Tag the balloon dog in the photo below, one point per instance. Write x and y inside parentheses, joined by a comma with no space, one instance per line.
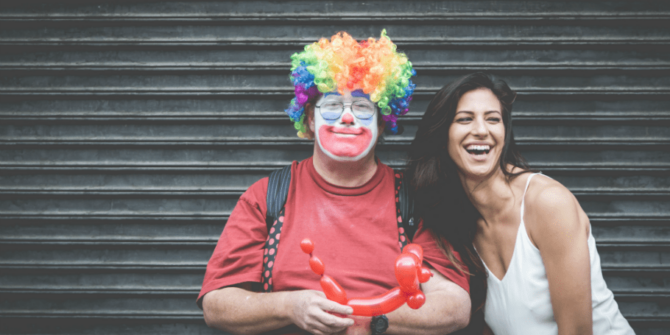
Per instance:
(408,271)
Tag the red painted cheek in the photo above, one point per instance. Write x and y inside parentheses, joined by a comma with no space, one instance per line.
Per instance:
(341,146)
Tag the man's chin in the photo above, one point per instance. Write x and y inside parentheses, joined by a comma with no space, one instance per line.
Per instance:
(345,153)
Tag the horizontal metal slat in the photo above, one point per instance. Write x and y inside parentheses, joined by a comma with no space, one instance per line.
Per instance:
(195,117)
(128,192)
(618,244)
(194,266)
(286,92)
(589,168)
(80,267)
(125,315)
(283,67)
(233,192)
(637,319)
(627,143)
(102,242)
(402,43)
(595,218)
(637,294)
(151,216)
(129,209)
(100,291)
(334,17)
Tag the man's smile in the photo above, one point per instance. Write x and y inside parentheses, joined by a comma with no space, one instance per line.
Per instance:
(345,141)
(346,131)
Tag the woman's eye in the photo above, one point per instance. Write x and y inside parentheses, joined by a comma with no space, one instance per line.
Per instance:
(464,119)
(494,119)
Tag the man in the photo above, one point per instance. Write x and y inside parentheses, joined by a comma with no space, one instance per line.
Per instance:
(342,198)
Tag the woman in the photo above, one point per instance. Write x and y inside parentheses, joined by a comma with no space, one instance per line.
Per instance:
(539,258)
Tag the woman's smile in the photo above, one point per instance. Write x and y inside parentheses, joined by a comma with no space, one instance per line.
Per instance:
(478,151)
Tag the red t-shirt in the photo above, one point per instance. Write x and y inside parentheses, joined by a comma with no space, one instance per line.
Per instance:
(354,231)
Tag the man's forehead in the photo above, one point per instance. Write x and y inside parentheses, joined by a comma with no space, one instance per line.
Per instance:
(355,94)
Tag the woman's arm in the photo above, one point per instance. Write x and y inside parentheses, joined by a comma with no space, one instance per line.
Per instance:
(446,310)
(240,311)
(559,228)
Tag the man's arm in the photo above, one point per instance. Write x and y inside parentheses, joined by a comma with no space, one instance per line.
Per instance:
(447,309)
(238,310)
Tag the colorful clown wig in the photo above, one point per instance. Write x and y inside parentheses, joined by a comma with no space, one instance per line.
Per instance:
(342,63)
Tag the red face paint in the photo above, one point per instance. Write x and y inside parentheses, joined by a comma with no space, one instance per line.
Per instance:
(345,142)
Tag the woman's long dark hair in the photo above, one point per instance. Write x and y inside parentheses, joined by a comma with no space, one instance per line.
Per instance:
(440,199)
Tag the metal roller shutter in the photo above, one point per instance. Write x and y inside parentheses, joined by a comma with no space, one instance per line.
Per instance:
(129,128)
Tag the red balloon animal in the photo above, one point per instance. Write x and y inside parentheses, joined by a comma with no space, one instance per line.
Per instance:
(408,271)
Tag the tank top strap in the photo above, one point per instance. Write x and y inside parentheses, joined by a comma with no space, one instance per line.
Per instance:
(523,197)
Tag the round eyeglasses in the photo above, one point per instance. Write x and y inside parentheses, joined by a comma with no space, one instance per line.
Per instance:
(332,110)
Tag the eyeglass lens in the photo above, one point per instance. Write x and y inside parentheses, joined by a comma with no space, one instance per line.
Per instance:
(332,110)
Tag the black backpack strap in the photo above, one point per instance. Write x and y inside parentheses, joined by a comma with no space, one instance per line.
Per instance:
(405,205)
(278,185)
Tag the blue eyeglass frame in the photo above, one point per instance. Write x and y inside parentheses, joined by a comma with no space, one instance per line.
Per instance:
(352,112)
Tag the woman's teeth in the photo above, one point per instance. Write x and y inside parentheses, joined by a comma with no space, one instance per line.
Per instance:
(478,149)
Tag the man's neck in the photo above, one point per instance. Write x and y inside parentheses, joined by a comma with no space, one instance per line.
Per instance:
(344,173)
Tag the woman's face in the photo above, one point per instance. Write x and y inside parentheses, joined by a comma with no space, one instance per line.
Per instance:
(477,134)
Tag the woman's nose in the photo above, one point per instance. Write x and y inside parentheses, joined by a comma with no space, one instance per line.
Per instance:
(479,128)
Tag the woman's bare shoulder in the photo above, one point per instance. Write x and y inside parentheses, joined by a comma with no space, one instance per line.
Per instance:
(551,210)
(545,193)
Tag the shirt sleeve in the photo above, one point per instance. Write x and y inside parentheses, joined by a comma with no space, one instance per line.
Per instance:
(238,256)
(435,257)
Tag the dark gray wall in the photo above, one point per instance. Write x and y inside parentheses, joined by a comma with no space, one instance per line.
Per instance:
(129,128)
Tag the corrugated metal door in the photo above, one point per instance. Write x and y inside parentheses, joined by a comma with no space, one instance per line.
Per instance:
(129,128)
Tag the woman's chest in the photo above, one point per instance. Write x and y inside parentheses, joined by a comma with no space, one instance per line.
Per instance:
(495,245)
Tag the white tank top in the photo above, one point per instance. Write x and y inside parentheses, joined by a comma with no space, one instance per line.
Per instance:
(520,302)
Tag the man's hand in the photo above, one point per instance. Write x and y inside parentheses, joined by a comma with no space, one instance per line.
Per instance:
(309,310)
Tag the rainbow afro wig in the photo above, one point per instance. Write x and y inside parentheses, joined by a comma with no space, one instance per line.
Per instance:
(342,63)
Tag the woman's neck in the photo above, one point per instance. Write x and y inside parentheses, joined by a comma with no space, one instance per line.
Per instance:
(492,195)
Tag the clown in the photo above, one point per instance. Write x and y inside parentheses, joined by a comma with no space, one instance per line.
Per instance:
(347,93)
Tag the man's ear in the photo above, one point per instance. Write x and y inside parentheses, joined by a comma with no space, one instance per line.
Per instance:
(381,124)
(309,119)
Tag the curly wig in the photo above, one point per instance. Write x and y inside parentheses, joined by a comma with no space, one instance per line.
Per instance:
(342,63)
